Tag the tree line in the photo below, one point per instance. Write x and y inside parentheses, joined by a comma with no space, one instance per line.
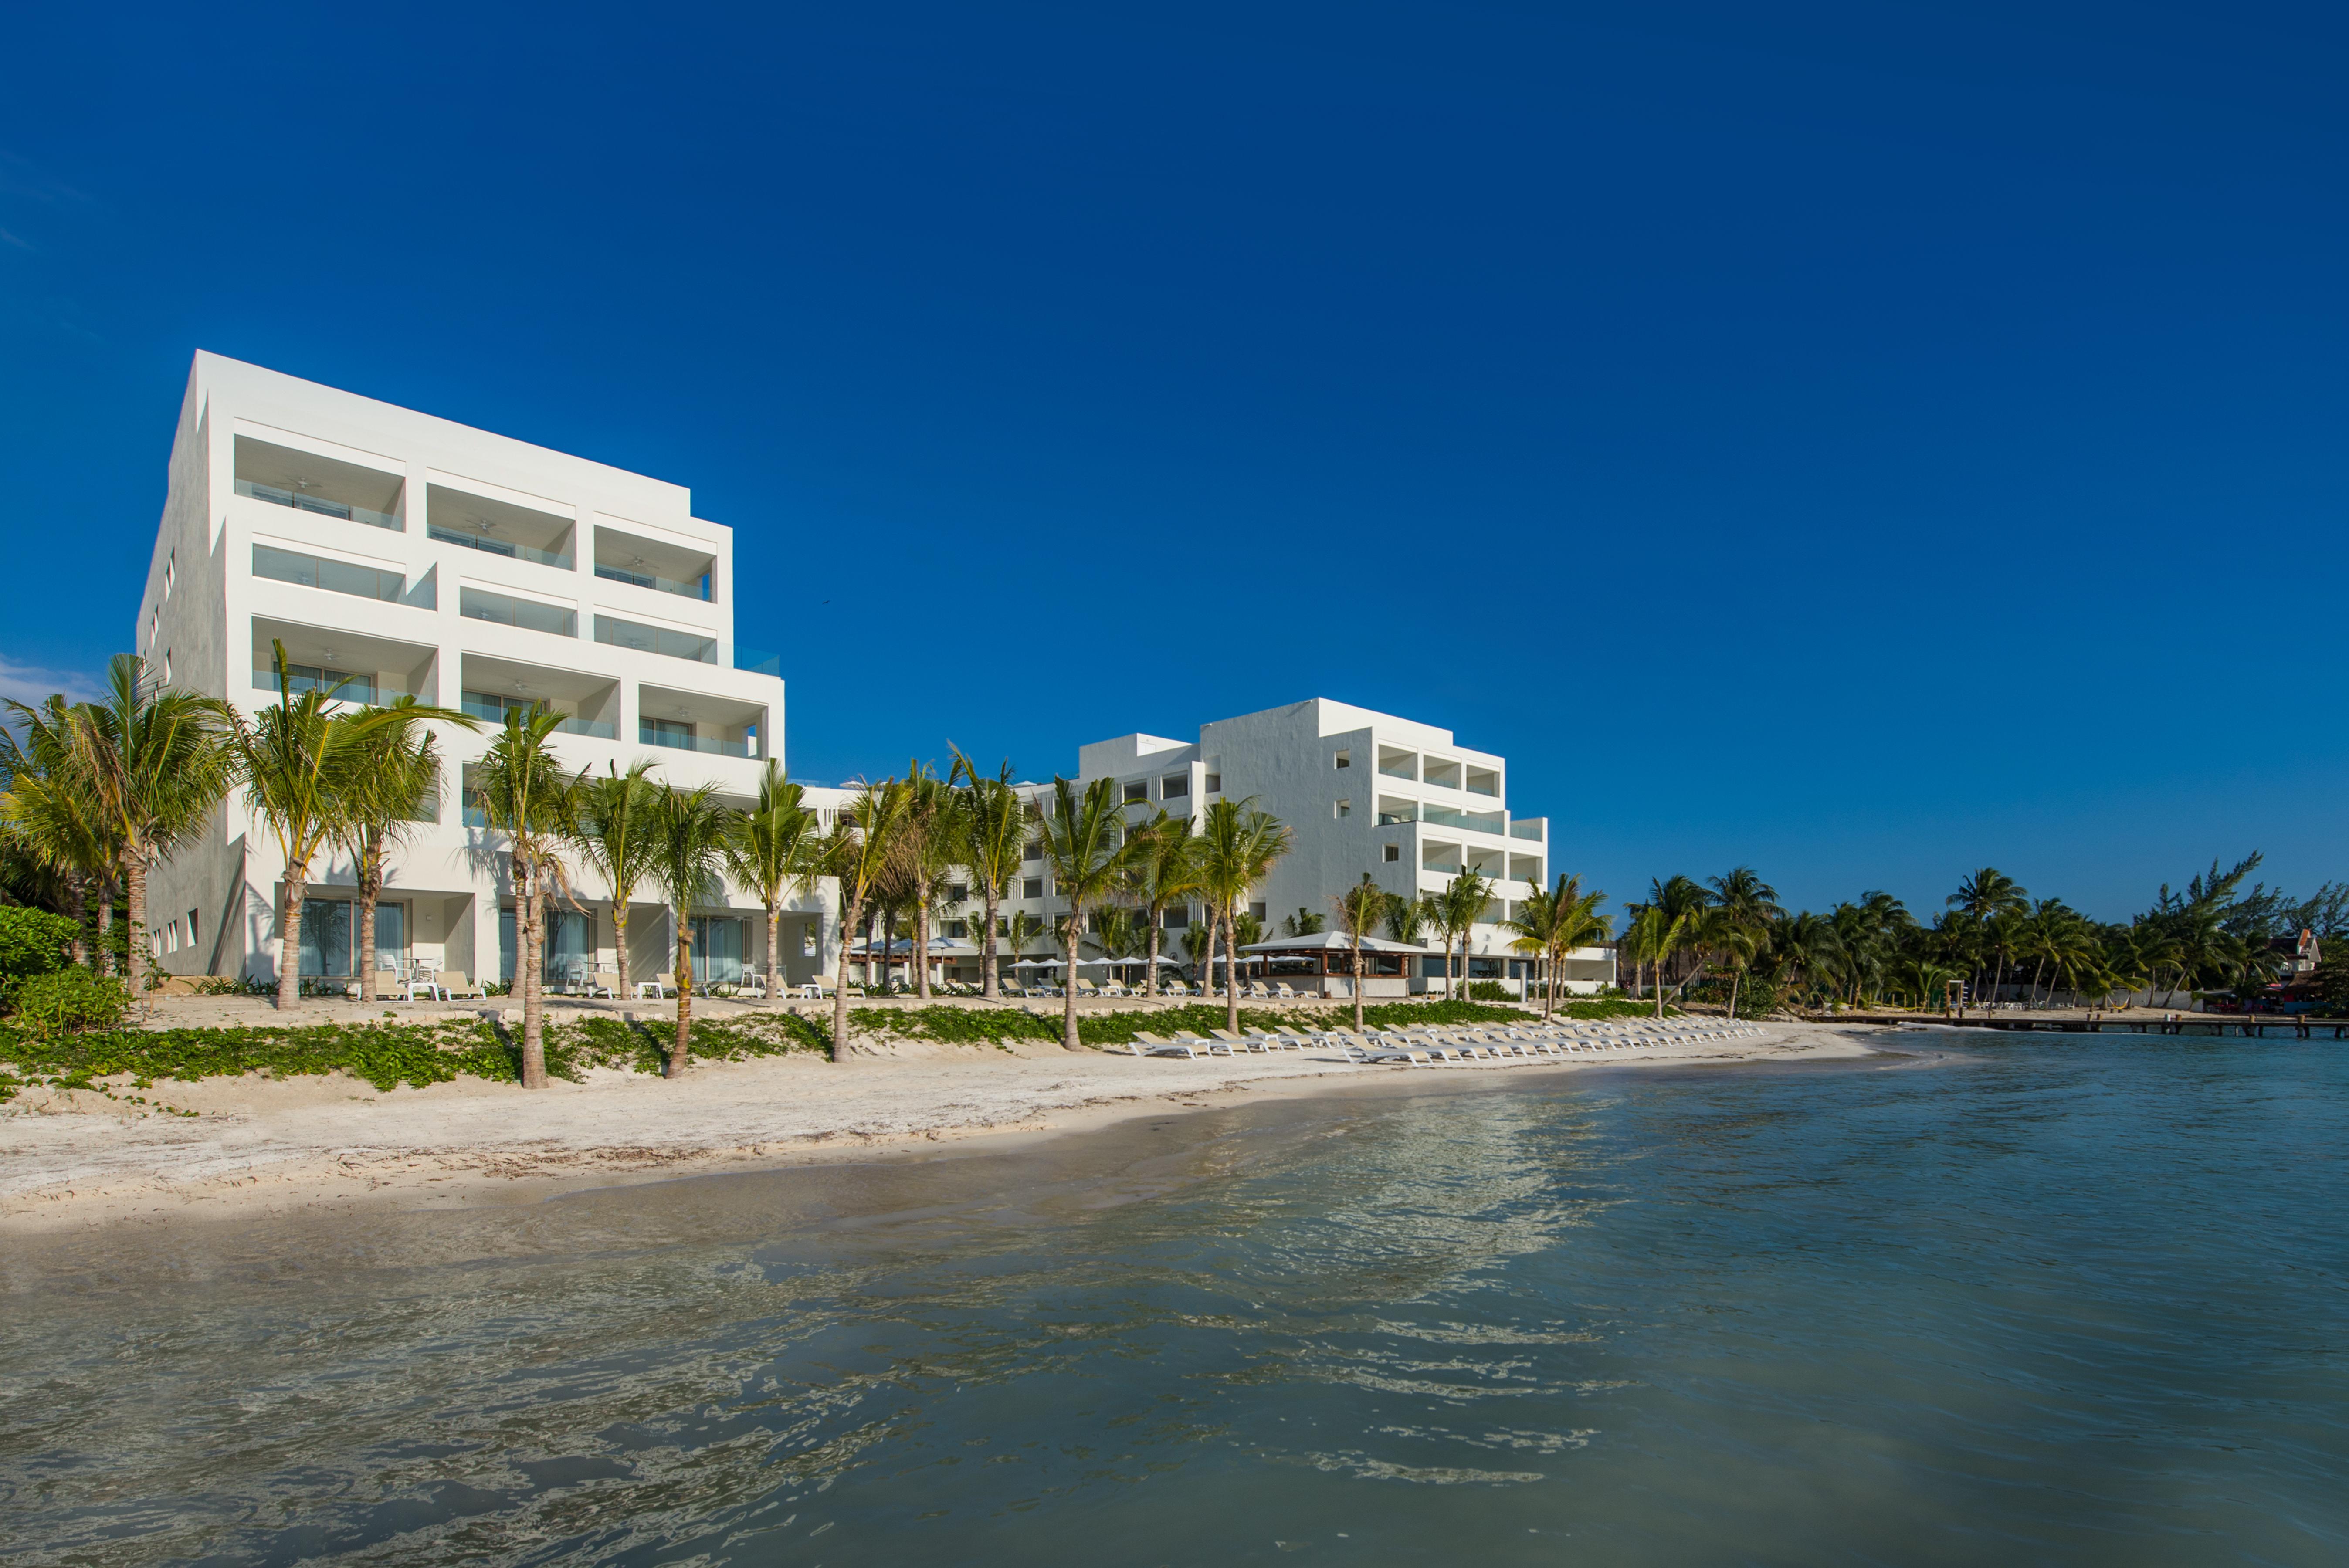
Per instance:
(2215,934)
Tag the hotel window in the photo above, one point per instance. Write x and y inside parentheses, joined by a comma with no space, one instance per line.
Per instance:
(956,892)
(1393,854)
(1214,783)
(1345,759)
(191,928)
(1176,918)
(1345,809)
(1035,851)
(1033,887)
(1139,789)
(1256,913)
(1174,786)
(957,930)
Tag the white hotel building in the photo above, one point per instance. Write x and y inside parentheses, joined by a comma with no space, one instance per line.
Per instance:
(391,551)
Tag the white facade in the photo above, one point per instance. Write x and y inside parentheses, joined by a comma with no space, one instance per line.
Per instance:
(390,552)
(1361,792)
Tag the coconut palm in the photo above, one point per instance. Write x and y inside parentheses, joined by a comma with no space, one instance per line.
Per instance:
(52,812)
(772,854)
(691,832)
(1408,917)
(1359,909)
(151,759)
(1239,843)
(1652,937)
(1460,906)
(1163,871)
(302,764)
(1086,851)
(401,779)
(528,799)
(858,854)
(1554,923)
(614,839)
(993,833)
(928,847)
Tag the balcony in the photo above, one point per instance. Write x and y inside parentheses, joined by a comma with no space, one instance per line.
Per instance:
(700,647)
(494,687)
(699,722)
(338,576)
(507,548)
(325,487)
(1484,781)
(1396,764)
(342,665)
(759,662)
(1471,821)
(489,525)
(1443,775)
(1534,828)
(480,604)
(1393,809)
(665,566)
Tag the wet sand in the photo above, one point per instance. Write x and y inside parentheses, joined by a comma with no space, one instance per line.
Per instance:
(78,1159)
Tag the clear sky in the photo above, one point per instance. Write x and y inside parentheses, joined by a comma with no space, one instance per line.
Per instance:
(1867,441)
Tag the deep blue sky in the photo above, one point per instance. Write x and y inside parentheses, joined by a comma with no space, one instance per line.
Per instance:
(1867,441)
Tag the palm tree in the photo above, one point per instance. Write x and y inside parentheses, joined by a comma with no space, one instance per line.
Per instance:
(994,838)
(525,795)
(301,765)
(1085,850)
(1553,924)
(615,840)
(1359,909)
(1983,897)
(1807,949)
(401,776)
(1239,843)
(51,811)
(1652,937)
(150,756)
(858,853)
(1407,916)
(1747,907)
(1460,905)
(772,853)
(1684,895)
(1163,871)
(691,832)
(930,847)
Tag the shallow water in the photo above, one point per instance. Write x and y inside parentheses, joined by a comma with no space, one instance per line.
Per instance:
(2034,1300)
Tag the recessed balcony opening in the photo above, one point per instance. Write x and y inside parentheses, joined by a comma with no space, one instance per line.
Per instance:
(653,563)
(1392,809)
(327,487)
(1398,764)
(696,721)
(1534,828)
(1453,817)
(1484,781)
(701,647)
(343,664)
(497,526)
(1489,863)
(589,704)
(1443,859)
(1526,868)
(1443,775)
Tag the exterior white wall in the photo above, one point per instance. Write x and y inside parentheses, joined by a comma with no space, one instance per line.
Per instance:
(203,602)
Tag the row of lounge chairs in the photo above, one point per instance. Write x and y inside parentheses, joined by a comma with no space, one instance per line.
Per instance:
(1425,1045)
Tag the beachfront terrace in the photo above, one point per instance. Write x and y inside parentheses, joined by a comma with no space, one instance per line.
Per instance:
(343,665)
(323,487)
(590,704)
(490,526)
(697,721)
(661,565)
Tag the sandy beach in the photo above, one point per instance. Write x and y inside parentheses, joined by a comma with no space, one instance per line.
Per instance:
(77,1158)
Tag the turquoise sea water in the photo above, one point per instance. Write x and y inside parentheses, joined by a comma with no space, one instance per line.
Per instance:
(2004,1299)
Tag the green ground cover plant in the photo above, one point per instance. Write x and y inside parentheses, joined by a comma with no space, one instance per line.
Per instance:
(977,1025)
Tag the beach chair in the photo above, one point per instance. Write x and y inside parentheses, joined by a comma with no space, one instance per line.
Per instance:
(1158,1045)
(454,984)
(656,988)
(1281,989)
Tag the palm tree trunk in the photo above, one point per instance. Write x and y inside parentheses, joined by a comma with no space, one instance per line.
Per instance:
(370,885)
(289,940)
(986,985)
(840,991)
(106,925)
(774,952)
(920,957)
(679,1053)
(134,879)
(1231,973)
(1150,978)
(1358,984)
(76,908)
(1736,979)
(528,938)
(620,940)
(1069,989)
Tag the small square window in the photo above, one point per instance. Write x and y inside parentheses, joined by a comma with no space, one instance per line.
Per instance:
(1174,786)
(1256,913)
(1035,851)
(1345,759)
(1345,809)
(1137,790)
(1214,783)
(956,892)
(1394,853)
(1032,888)
(956,929)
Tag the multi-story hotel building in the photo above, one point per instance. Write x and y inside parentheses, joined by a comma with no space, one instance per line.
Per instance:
(390,552)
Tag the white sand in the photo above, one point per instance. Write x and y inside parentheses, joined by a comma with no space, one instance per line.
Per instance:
(78,1159)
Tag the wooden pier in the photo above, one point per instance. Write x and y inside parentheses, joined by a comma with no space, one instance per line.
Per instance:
(2210,1026)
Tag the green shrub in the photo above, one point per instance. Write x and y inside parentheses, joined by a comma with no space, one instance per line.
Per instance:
(1488,991)
(231,985)
(33,942)
(71,998)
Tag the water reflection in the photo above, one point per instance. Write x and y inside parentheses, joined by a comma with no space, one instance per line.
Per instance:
(1860,1312)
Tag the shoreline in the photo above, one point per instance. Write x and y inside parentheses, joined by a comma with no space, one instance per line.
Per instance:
(78,1162)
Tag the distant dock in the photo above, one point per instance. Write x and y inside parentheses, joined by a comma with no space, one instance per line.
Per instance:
(2213,1026)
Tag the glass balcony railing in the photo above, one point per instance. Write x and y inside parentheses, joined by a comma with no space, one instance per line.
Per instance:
(339,685)
(475,605)
(334,576)
(758,661)
(491,708)
(698,588)
(489,546)
(647,735)
(619,634)
(1474,821)
(319,504)
(1529,827)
